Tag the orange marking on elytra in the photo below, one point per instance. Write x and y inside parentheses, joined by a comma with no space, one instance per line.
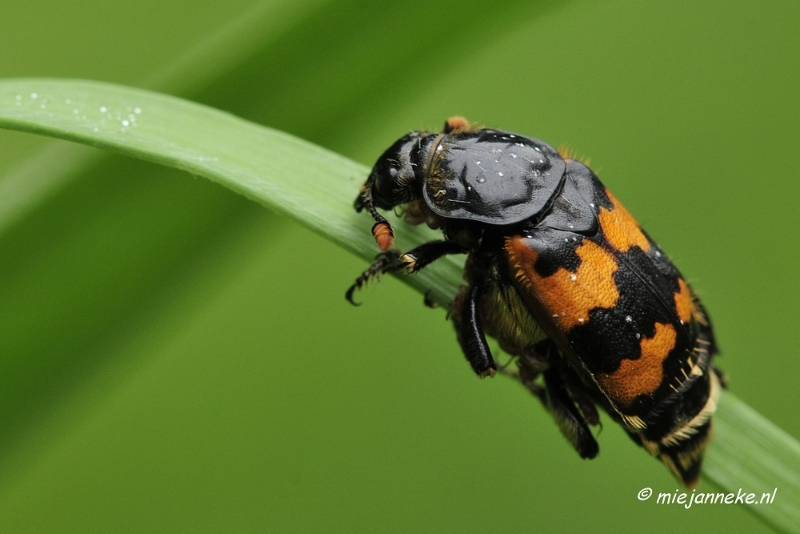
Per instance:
(620,228)
(641,376)
(568,297)
(684,304)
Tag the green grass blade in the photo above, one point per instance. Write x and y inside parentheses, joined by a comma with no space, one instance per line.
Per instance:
(317,187)
(310,184)
(188,136)
(751,453)
(41,176)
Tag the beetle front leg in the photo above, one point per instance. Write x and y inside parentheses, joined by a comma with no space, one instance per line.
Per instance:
(385,262)
(412,261)
(425,254)
(469,331)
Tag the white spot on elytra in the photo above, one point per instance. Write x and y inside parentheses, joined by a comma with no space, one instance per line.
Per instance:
(638,336)
(591,204)
(628,319)
(499,174)
(580,320)
(573,277)
(513,155)
(477,162)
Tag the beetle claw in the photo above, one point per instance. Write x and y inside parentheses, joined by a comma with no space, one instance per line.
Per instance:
(385,262)
(349,295)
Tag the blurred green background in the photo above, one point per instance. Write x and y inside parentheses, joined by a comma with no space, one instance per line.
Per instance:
(175,358)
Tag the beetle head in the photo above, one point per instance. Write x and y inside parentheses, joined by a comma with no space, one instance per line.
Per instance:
(393,179)
(396,178)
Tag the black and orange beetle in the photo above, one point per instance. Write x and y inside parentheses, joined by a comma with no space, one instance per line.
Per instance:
(563,277)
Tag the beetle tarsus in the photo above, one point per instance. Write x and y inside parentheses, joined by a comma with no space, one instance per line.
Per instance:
(385,262)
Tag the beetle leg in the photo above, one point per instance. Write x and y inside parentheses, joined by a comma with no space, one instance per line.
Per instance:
(428,301)
(384,262)
(530,368)
(469,331)
(425,254)
(412,261)
(567,416)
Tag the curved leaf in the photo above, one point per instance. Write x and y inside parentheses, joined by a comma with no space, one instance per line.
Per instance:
(310,184)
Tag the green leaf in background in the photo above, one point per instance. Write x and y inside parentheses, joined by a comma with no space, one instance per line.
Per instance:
(176,358)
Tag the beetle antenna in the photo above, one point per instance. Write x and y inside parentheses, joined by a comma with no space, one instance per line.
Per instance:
(382,231)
